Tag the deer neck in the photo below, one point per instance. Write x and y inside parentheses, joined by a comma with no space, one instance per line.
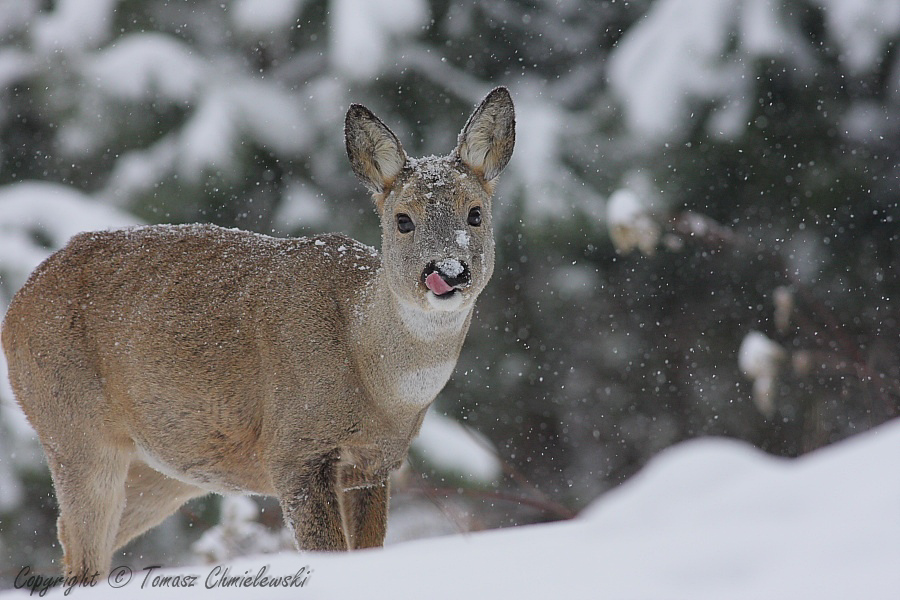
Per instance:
(406,354)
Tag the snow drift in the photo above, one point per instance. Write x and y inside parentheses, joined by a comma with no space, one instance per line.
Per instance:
(711,518)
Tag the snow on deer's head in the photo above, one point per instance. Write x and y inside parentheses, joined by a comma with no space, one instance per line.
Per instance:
(437,236)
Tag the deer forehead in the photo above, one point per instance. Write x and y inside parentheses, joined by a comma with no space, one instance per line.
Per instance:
(436,185)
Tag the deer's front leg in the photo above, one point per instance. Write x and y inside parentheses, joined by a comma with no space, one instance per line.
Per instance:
(365,514)
(309,501)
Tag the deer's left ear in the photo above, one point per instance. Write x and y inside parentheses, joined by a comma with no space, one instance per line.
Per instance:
(486,142)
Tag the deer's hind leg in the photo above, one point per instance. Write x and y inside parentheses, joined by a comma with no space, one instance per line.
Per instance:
(88,459)
(90,487)
(150,498)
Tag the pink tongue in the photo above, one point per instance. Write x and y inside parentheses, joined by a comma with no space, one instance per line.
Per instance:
(436,284)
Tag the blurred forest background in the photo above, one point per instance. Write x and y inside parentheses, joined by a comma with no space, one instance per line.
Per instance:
(697,235)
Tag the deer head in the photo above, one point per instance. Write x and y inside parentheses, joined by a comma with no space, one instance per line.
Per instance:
(437,236)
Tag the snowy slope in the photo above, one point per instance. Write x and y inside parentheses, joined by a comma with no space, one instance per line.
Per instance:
(708,519)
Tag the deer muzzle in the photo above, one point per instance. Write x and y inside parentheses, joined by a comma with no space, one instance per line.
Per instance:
(444,277)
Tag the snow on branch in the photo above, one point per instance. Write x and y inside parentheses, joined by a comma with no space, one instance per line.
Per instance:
(760,358)
(452,447)
(689,52)
(37,218)
(631,223)
(147,66)
(362,32)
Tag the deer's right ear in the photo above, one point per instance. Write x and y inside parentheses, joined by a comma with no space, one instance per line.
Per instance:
(375,152)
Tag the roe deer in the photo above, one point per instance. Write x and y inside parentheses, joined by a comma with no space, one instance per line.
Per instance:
(160,363)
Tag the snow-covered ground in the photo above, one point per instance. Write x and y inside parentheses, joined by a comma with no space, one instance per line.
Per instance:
(710,518)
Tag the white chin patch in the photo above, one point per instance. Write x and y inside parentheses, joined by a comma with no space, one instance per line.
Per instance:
(447,303)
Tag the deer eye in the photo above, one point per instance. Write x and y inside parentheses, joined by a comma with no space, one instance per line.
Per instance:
(404,223)
(474,216)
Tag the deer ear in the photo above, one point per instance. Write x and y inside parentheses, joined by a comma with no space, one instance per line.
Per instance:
(486,142)
(375,152)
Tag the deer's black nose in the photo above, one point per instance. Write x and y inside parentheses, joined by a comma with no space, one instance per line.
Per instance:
(455,272)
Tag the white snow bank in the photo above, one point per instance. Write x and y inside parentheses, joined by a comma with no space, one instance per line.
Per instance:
(709,519)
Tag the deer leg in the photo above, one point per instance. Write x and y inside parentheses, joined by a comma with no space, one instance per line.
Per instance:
(90,489)
(150,498)
(311,506)
(365,515)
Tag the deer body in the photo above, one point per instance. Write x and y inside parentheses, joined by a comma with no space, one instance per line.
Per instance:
(160,363)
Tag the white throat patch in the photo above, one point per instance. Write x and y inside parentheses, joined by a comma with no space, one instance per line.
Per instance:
(421,386)
(430,324)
